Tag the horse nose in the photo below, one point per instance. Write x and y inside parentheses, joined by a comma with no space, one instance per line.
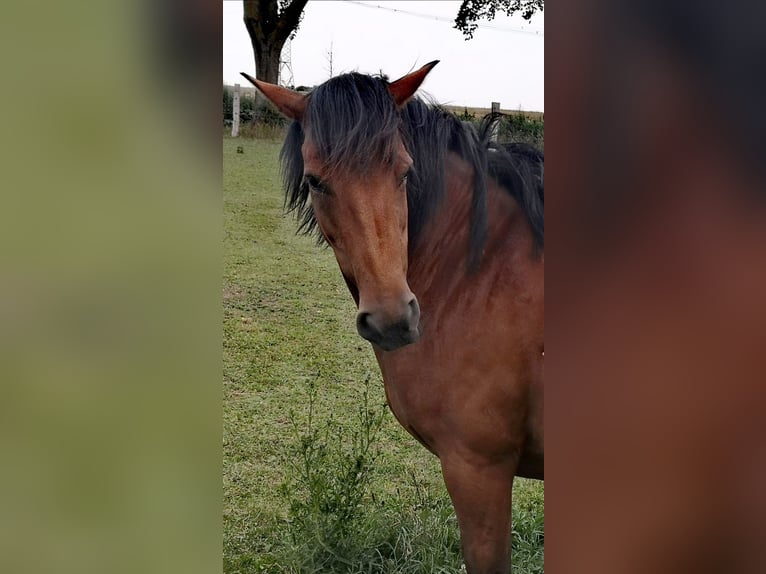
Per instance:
(390,331)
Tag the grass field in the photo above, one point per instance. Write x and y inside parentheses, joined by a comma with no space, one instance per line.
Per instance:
(317,474)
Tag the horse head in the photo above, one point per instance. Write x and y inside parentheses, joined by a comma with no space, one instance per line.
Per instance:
(349,170)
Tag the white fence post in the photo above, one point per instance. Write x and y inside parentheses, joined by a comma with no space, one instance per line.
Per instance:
(235,112)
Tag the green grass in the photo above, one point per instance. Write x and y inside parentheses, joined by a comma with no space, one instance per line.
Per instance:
(317,474)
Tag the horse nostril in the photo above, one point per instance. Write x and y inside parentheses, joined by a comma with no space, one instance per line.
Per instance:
(364,325)
(390,330)
(413,311)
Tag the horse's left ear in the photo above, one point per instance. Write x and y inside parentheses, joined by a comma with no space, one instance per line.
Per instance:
(404,88)
(290,103)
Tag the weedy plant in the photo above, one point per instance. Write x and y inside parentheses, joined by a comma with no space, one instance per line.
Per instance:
(329,472)
(328,478)
(336,521)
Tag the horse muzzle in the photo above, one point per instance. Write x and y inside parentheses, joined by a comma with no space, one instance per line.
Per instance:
(391,331)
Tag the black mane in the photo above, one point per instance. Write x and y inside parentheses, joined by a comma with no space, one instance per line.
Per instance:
(353,121)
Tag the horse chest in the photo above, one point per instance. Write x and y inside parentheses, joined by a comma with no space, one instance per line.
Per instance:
(413,397)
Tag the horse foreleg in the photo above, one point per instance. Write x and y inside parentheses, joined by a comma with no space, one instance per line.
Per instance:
(481,495)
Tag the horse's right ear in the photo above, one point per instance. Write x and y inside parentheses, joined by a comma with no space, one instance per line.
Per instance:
(290,103)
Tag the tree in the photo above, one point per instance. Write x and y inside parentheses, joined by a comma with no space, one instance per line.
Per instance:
(270,23)
(473,10)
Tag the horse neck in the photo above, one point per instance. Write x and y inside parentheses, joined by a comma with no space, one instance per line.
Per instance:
(440,257)
(438,263)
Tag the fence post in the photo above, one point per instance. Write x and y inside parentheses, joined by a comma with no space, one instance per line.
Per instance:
(235,112)
(495,110)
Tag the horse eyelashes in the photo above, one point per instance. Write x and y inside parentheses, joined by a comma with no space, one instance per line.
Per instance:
(315,184)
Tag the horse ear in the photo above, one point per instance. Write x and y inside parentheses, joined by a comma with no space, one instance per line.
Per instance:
(404,88)
(290,103)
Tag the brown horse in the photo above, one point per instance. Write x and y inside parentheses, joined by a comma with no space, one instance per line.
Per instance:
(438,233)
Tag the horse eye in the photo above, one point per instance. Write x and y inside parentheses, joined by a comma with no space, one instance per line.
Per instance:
(403,180)
(315,184)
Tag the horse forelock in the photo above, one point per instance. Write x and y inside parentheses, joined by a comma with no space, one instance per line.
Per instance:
(352,123)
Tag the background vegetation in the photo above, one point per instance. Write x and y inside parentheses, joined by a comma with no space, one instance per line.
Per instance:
(318,477)
(260,119)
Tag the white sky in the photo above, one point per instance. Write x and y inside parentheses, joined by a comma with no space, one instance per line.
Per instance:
(499,64)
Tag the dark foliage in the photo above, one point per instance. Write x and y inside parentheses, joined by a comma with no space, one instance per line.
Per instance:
(513,127)
(252,110)
(518,127)
(227,104)
(473,10)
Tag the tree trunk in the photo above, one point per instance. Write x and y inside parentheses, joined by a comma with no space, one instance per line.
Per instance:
(269,30)
(267,62)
